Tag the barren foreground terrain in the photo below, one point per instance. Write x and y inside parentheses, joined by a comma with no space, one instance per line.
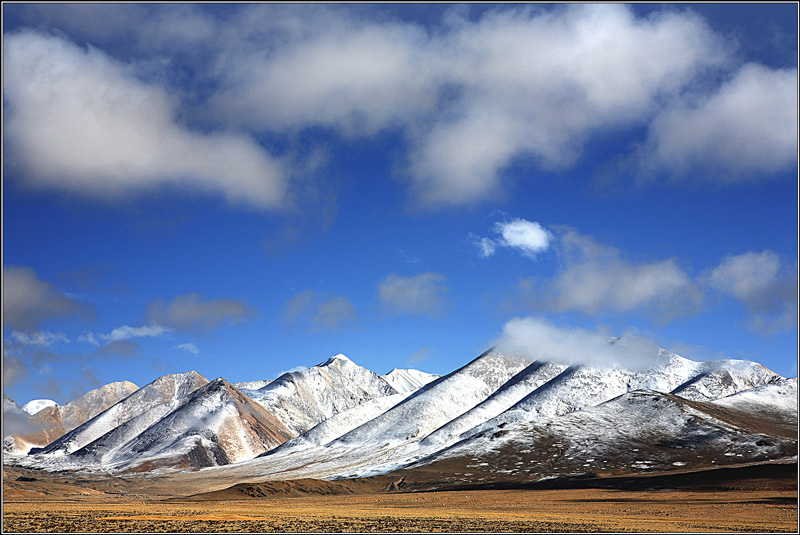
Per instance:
(751,499)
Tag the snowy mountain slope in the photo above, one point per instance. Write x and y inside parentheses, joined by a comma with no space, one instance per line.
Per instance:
(496,409)
(772,406)
(215,425)
(639,431)
(388,440)
(722,378)
(35,405)
(408,380)
(580,387)
(776,397)
(440,401)
(92,403)
(303,399)
(250,385)
(529,379)
(339,424)
(149,404)
(439,414)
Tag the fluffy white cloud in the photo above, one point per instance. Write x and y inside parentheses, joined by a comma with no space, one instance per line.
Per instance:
(79,121)
(420,294)
(541,339)
(596,279)
(29,301)
(528,237)
(192,312)
(746,131)
(535,84)
(763,283)
(472,97)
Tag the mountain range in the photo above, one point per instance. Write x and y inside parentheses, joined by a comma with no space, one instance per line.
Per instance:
(500,417)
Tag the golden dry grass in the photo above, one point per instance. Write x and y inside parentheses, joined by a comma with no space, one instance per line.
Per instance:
(571,510)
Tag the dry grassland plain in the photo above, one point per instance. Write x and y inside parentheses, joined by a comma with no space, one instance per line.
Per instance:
(738,506)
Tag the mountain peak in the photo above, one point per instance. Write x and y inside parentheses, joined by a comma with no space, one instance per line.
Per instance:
(336,359)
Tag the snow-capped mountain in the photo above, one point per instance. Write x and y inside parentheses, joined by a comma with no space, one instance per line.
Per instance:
(215,425)
(495,394)
(50,421)
(639,431)
(303,399)
(388,441)
(408,380)
(499,416)
(132,415)
(35,405)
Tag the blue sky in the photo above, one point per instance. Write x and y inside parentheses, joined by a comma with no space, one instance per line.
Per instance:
(245,189)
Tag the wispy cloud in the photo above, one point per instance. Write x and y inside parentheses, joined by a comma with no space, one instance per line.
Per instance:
(419,355)
(39,338)
(416,295)
(191,348)
(320,313)
(126,332)
(29,301)
(193,312)
(332,314)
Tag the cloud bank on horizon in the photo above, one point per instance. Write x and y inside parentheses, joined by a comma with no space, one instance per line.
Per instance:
(255,112)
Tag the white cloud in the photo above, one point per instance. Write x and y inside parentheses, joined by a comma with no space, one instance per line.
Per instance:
(191,348)
(420,294)
(192,312)
(763,284)
(39,338)
(539,339)
(80,121)
(746,131)
(527,237)
(126,332)
(29,301)
(473,97)
(536,84)
(595,279)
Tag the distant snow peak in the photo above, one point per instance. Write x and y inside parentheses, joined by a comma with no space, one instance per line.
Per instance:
(406,381)
(36,405)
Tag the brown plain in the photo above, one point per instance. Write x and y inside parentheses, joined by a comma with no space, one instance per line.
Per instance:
(749,499)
